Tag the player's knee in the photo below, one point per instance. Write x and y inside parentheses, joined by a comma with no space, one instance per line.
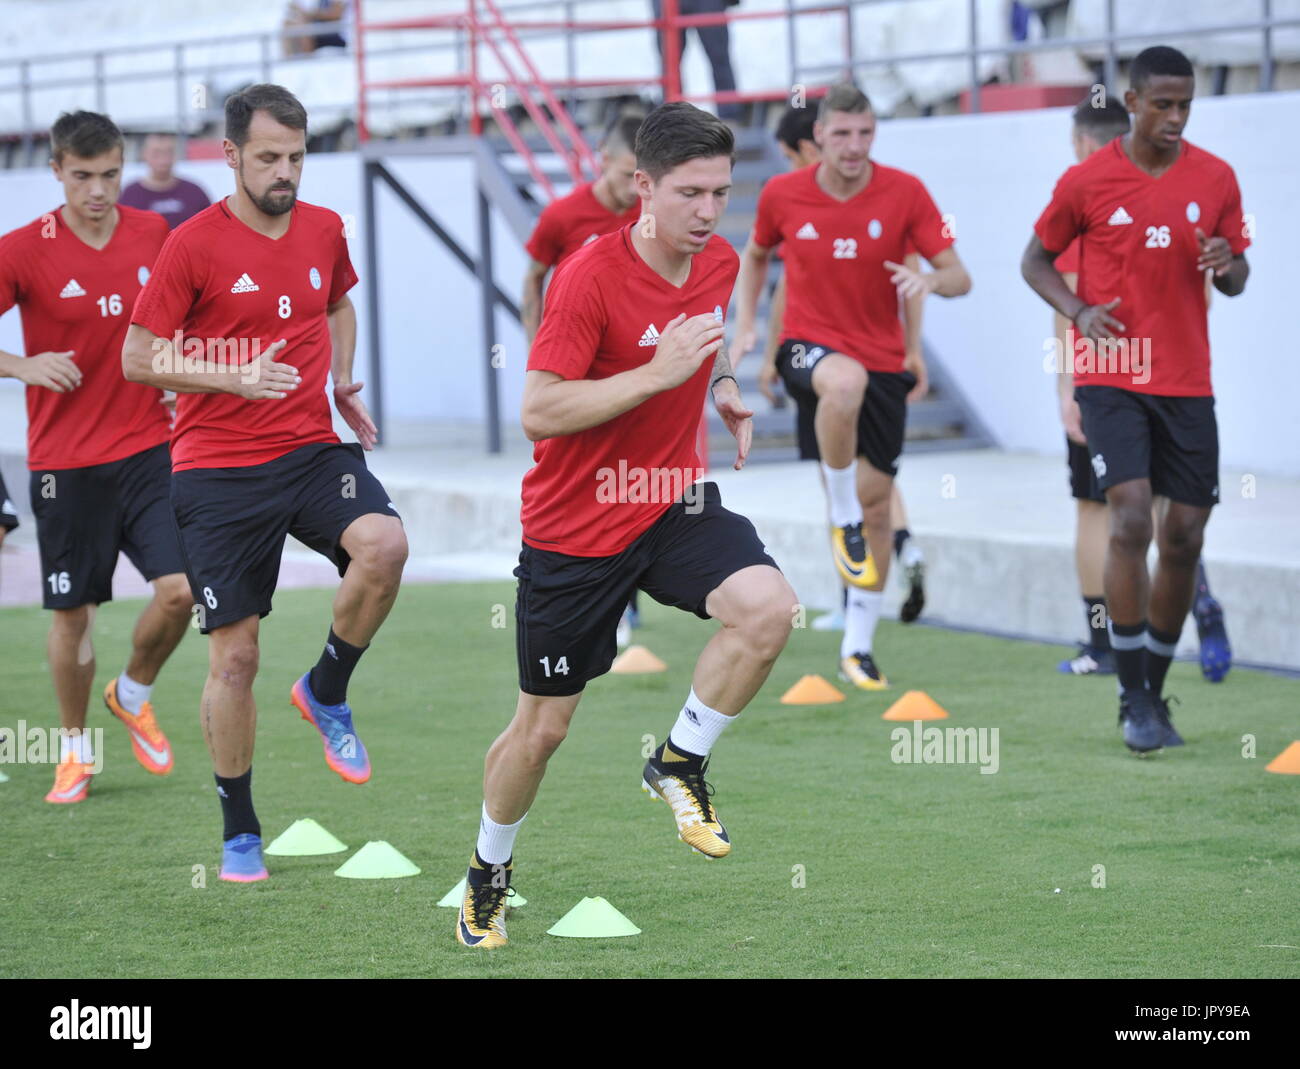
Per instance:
(382,553)
(71,623)
(543,737)
(173,595)
(1181,543)
(235,664)
(766,626)
(875,512)
(1130,528)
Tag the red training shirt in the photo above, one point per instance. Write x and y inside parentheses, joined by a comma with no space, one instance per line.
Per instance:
(218,280)
(838,290)
(1068,262)
(591,494)
(73,297)
(572,221)
(1137,242)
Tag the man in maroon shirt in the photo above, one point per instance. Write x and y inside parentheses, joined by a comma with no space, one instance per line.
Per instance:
(175,199)
(96,446)
(256,276)
(630,343)
(1152,213)
(589,211)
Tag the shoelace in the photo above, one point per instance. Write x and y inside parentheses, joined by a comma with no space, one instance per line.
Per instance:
(698,793)
(489,903)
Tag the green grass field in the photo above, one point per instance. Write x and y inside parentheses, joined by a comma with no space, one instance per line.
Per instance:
(910,870)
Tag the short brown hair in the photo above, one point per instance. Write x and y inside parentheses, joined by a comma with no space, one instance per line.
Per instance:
(843,97)
(85,134)
(677,132)
(275,100)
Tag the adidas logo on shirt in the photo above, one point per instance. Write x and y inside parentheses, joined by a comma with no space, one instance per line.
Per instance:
(244,284)
(808,232)
(72,289)
(650,337)
(1120,217)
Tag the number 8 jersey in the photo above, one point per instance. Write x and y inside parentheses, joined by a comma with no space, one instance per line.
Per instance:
(232,293)
(1137,242)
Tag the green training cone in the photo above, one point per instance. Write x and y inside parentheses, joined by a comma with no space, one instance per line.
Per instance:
(377,861)
(456,895)
(303,838)
(3,778)
(593,918)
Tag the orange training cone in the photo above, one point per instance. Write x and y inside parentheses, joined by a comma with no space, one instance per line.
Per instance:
(915,705)
(811,690)
(636,660)
(1287,761)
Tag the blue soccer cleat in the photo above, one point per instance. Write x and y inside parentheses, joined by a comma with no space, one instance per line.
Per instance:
(1216,652)
(344,751)
(241,859)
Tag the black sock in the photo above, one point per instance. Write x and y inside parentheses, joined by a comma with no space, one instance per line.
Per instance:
(329,679)
(481,871)
(1130,654)
(236,794)
(677,758)
(1158,660)
(900,539)
(1098,636)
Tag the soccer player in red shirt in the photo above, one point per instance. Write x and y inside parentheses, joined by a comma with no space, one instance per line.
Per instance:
(96,446)
(591,210)
(796,136)
(629,346)
(845,227)
(1152,213)
(256,276)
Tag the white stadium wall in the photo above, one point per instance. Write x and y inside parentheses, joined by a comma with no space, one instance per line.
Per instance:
(994,173)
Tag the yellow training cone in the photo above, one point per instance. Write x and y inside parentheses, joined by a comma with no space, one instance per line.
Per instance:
(915,705)
(811,690)
(636,660)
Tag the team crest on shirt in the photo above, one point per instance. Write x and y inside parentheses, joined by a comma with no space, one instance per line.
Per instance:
(1193,212)
(717,312)
(874,228)
(313,277)
(143,274)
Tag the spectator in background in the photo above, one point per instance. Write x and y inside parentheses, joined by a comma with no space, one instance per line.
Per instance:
(308,12)
(175,199)
(717,46)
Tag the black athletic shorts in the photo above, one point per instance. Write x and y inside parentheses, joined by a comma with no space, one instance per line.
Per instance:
(8,511)
(85,516)
(232,522)
(882,421)
(1172,441)
(567,608)
(1083,481)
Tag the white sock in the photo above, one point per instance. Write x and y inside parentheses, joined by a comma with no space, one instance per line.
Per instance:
(842,489)
(496,842)
(911,553)
(78,746)
(860,619)
(697,727)
(132,695)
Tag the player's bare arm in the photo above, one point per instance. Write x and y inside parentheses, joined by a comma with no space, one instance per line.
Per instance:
(1038,268)
(530,307)
(553,406)
(913,353)
(767,374)
(948,279)
(54,371)
(1071,419)
(152,360)
(342,319)
(735,414)
(749,284)
(1228,271)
